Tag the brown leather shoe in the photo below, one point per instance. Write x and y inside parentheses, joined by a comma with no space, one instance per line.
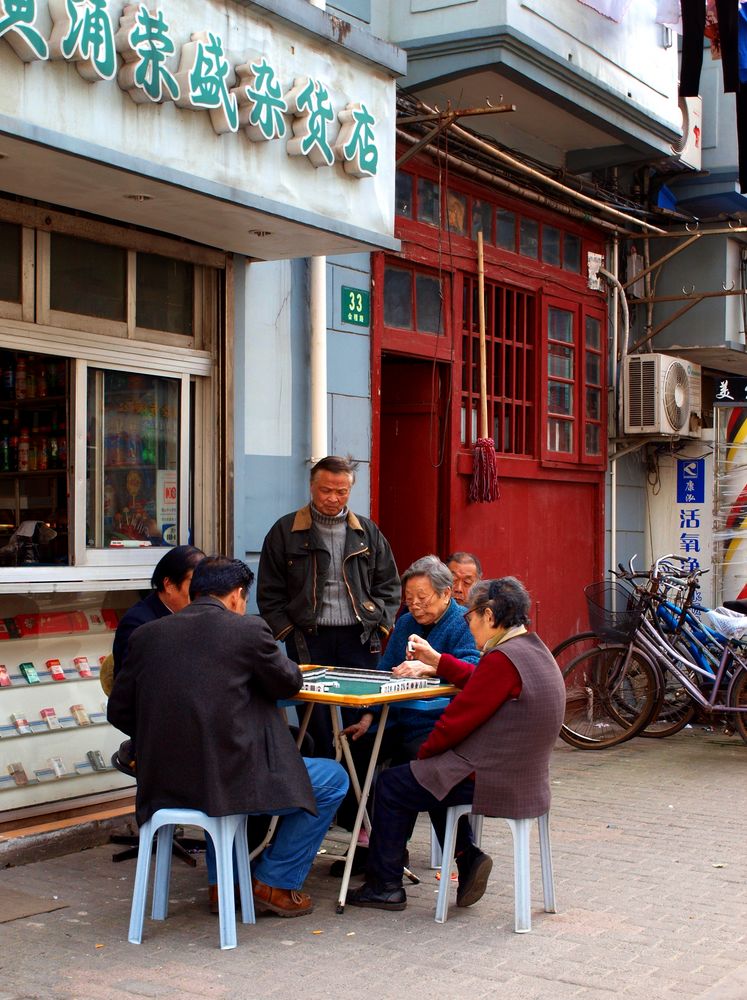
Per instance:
(282,902)
(213,898)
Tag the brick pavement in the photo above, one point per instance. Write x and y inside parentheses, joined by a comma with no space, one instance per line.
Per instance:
(650,851)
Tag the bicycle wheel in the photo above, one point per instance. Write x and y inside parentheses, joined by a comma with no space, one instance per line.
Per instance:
(610,696)
(738,699)
(570,648)
(677,708)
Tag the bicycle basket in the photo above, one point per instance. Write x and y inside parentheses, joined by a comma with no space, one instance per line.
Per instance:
(612,612)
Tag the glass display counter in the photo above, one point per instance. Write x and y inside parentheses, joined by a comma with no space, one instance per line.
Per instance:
(55,742)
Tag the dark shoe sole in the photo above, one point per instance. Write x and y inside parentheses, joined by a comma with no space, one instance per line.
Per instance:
(278,912)
(377,904)
(476,883)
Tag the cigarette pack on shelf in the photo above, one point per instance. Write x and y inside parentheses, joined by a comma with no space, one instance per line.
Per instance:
(18,773)
(58,766)
(83,666)
(80,715)
(55,669)
(5,680)
(50,717)
(29,672)
(21,723)
(97,760)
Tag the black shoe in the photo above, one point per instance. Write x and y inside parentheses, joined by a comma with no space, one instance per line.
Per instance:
(392,898)
(474,871)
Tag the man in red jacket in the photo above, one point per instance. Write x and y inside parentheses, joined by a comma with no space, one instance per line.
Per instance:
(490,747)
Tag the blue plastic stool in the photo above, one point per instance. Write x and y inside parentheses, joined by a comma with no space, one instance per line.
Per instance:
(520,829)
(228,834)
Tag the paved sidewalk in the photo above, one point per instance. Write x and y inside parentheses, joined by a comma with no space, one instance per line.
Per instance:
(650,851)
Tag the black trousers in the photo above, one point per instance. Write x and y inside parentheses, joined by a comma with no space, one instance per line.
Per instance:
(398,800)
(332,646)
(693,30)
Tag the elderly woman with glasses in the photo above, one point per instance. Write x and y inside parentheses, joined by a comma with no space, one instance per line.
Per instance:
(491,746)
(432,614)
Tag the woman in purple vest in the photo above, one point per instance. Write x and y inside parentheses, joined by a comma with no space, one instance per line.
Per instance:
(491,746)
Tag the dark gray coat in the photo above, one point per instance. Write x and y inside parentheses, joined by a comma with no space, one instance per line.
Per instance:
(510,753)
(198,692)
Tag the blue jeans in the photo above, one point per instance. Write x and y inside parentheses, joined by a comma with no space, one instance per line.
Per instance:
(286,862)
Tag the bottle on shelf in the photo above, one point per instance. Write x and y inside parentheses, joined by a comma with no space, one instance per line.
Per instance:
(21,378)
(23,450)
(5,447)
(8,385)
(31,377)
(42,384)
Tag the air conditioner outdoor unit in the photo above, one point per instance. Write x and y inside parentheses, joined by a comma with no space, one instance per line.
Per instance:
(662,395)
(689,149)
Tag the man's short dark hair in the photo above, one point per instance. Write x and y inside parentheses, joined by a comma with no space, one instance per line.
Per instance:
(175,565)
(218,576)
(465,557)
(335,464)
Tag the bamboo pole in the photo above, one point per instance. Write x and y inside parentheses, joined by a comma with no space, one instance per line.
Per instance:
(483,349)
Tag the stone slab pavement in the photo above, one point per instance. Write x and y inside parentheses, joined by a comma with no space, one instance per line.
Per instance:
(650,852)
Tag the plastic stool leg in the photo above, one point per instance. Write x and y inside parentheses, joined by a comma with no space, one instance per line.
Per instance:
(522,892)
(476,822)
(243,868)
(162,877)
(140,888)
(223,838)
(435,850)
(548,876)
(453,814)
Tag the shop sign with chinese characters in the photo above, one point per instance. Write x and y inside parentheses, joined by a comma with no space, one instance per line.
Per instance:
(261,85)
(730,390)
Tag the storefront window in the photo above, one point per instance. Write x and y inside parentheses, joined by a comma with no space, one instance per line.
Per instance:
(593,387)
(10,262)
(551,246)
(428,304)
(165,294)
(88,278)
(456,205)
(505,224)
(132,460)
(571,253)
(529,238)
(429,209)
(403,194)
(398,298)
(561,374)
(482,219)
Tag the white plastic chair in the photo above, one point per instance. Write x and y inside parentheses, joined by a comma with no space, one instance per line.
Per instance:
(228,834)
(520,829)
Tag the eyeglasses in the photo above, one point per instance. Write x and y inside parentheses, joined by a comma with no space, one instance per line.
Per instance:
(477,607)
(418,602)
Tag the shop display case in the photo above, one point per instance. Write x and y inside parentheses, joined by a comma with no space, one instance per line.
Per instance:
(55,742)
(33,458)
(132,467)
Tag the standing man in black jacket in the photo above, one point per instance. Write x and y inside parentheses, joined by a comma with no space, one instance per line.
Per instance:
(328,585)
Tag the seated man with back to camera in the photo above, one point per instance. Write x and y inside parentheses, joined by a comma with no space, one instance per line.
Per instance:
(433,614)
(199,691)
(491,747)
(466,571)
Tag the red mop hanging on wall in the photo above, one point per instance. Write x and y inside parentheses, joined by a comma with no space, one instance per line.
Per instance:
(484,486)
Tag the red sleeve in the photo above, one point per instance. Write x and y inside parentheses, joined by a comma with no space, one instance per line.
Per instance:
(494,681)
(456,672)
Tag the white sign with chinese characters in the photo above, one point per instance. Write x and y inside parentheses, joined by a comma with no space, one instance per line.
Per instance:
(680,512)
(209,89)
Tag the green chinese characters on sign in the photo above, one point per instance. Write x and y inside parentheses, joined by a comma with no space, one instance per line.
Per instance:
(356,306)
(261,102)
(205,77)
(17,19)
(83,32)
(144,43)
(356,143)
(313,114)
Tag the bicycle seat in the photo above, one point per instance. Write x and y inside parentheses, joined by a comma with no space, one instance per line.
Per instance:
(740,606)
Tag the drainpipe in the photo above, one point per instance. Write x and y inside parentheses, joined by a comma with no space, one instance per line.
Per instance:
(318,344)
(613,470)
